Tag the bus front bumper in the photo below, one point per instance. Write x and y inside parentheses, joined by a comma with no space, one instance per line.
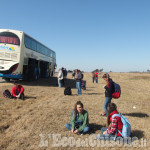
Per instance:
(11,76)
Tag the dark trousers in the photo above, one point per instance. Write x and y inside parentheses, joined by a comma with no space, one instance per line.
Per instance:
(63,82)
(21,95)
(93,79)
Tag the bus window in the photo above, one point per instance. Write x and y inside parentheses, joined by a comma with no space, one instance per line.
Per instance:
(9,38)
(34,45)
(28,42)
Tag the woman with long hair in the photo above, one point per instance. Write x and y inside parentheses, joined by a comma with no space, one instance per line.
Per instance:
(109,90)
(79,119)
(114,124)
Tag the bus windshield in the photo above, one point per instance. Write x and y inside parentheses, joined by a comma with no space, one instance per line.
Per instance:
(9,38)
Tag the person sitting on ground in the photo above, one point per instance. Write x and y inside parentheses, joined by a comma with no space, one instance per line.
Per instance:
(114,124)
(18,91)
(79,120)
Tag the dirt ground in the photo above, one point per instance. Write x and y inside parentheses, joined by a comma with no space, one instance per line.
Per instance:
(36,122)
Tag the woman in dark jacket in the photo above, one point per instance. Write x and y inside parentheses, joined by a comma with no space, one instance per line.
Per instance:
(109,90)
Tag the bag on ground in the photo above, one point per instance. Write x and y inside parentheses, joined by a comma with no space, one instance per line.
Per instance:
(83,84)
(7,94)
(67,91)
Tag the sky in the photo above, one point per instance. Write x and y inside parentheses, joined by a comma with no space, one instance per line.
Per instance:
(86,34)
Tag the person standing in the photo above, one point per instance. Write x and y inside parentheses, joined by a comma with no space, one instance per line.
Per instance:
(109,90)
(73,74)
(93,76)
(78,78)
(96,76)
(60,77)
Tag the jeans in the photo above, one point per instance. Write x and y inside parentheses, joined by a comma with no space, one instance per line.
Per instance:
(107,101)
(78,86)
(85,130)
(96,79)
(93,79)
(59,83)
(105,136)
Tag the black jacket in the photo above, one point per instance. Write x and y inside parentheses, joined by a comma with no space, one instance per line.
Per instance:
(109,89)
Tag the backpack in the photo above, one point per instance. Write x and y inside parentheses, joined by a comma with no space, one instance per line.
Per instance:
(126,129)
(7,94)
(67,91)
(117,91)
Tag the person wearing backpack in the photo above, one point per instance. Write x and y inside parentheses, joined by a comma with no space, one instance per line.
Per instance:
(114,124)
(18,91)
(79,120)
(109,90)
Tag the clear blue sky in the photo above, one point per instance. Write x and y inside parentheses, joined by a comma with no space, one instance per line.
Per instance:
(86,34)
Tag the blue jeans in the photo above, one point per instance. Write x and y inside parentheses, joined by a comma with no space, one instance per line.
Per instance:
(96,79)
(105,136)
(78,86)
(107,101)
(85,130)
(59,83)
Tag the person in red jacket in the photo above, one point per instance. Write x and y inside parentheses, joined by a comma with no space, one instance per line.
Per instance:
(113,124)
(96,76)
(18,91)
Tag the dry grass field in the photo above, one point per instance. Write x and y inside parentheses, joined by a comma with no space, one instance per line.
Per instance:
(46,111)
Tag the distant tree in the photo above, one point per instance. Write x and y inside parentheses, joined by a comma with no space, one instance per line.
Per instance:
(148,70)
(70,71)
(101,70)
(98,70)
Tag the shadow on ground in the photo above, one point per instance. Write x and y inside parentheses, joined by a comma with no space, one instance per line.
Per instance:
(140,115)
(93,93)
(94,127)
(52,82)
(137,133)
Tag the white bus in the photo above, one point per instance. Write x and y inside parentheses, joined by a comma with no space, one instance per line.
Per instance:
(22,57)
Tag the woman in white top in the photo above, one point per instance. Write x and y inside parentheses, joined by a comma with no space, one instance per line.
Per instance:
(60,77)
